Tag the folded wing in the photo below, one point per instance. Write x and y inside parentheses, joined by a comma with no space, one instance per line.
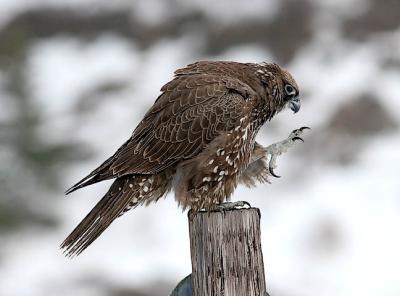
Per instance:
(192,110)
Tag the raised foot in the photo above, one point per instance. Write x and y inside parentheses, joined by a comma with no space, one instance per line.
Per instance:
(228,206)
(278,148)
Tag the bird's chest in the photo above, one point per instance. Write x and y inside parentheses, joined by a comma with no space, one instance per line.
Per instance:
(236,154)
(262,113)
(245,143)
(227,157)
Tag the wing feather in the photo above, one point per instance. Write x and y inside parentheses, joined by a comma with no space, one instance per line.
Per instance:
(192,111)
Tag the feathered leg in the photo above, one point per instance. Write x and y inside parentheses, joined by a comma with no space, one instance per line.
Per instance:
(257,170)
(263,159)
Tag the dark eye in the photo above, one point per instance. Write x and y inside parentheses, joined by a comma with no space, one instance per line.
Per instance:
(290,91)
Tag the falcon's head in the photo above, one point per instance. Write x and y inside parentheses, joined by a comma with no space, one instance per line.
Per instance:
(281,86)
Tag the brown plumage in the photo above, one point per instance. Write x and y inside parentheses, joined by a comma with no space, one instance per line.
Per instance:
(197,139)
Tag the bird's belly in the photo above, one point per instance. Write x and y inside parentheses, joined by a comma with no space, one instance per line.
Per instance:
(212,176)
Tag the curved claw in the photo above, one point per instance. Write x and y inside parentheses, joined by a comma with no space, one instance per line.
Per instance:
(304,128)
(271,171)
(297,138)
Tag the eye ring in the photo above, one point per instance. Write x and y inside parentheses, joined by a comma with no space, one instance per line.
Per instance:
(290,90)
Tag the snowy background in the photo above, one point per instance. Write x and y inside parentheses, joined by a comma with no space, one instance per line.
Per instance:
(77,76)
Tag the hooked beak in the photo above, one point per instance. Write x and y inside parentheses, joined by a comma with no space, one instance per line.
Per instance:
(295,104)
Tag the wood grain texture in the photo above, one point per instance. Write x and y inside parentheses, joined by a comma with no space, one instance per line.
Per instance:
(226,253)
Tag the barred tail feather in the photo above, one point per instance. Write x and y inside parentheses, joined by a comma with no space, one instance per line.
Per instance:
(121,197)
(125,193)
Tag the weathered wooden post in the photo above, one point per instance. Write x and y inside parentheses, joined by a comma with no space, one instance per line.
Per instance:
(226,253)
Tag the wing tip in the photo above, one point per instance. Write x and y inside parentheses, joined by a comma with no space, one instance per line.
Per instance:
(88,180)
